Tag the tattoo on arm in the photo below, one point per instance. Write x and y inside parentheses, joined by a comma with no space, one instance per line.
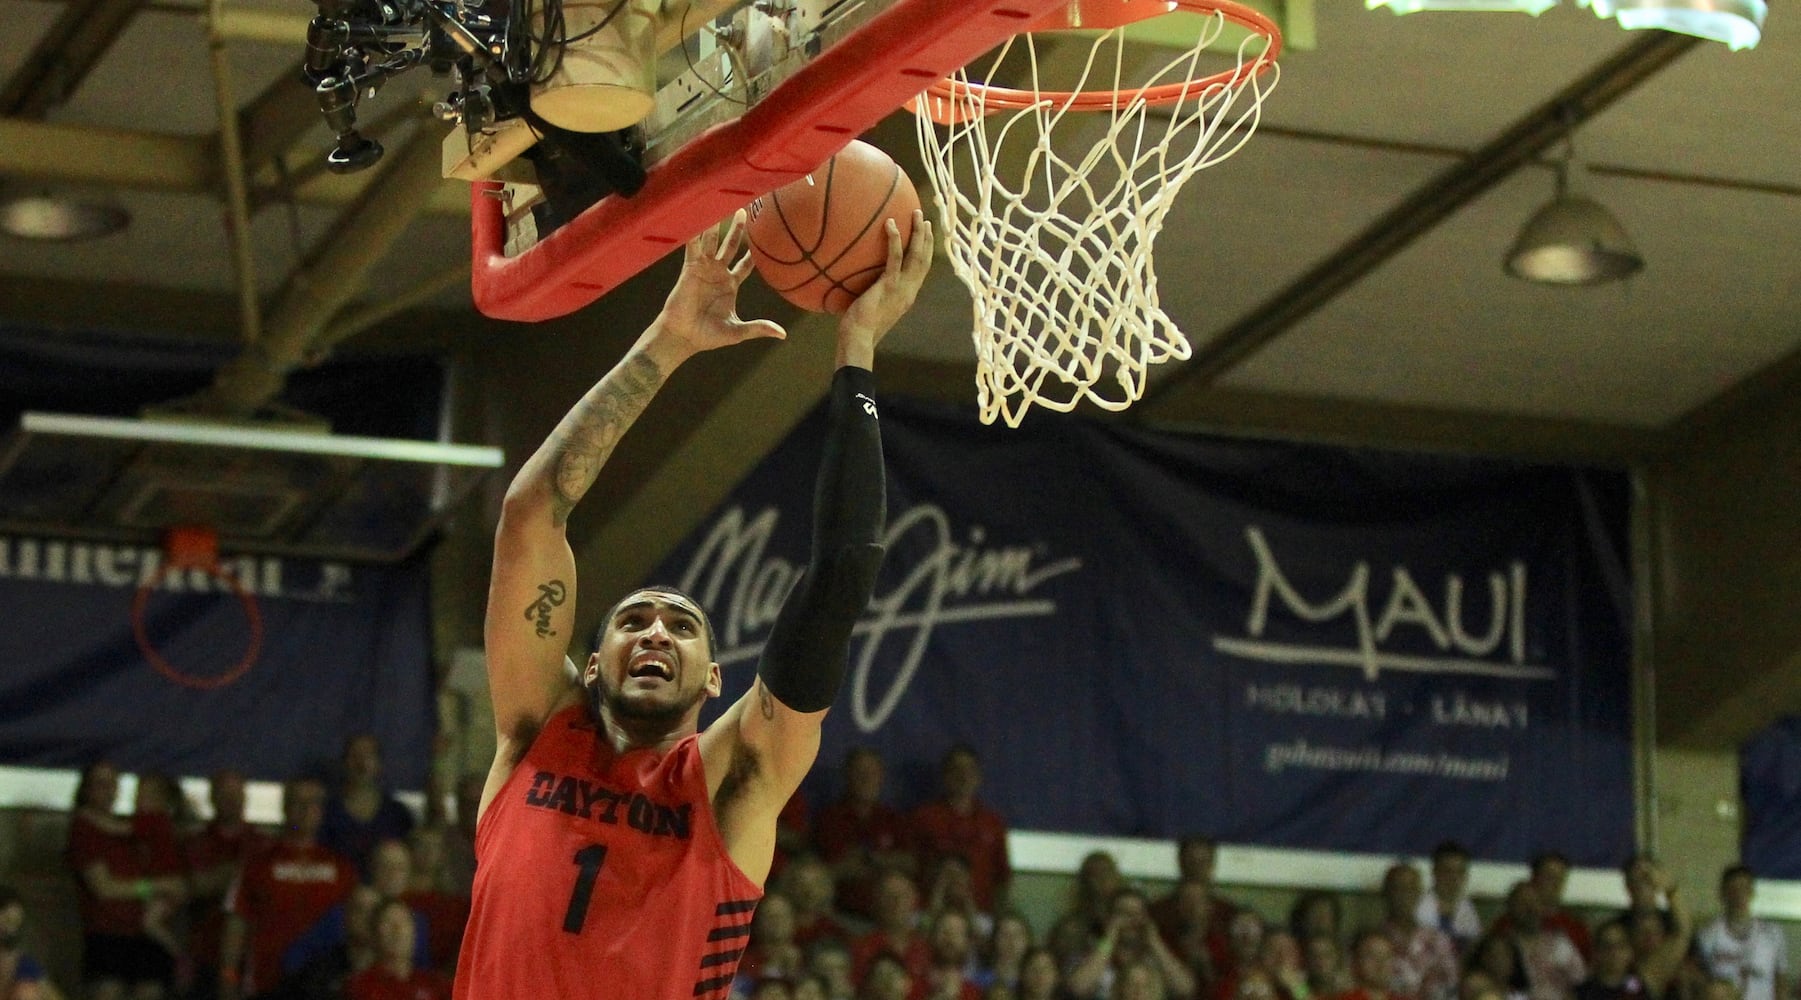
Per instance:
(551,595)
(765,703)
(587,436)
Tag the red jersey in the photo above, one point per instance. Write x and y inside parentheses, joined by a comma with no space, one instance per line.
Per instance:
(377,983)
(212,847)
(147,850)
(603,875)
(839,830)
(980,837)
(281,893)
(445,916)
(916,956)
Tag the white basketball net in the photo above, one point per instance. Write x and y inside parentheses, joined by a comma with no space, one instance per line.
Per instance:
(1054,241)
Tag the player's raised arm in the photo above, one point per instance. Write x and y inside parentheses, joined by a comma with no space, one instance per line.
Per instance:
(531,593)
(771,736)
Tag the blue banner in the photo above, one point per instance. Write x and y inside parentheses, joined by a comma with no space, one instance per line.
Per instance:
(1770,786)
(343,649)
(1150,634)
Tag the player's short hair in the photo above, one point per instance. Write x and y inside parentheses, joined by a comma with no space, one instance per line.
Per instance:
(1544,858)
(1735,870)
(1197,840)
(1450,849)
(706,624)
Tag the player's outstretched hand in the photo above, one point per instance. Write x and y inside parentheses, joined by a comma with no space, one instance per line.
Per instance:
(701,312)
(876,311)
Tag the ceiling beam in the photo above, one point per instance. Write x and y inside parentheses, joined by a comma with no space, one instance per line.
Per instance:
(329,280)
(171,164)
(81,154)
(1397,228)
(62,304)
(64,56)
(274,121)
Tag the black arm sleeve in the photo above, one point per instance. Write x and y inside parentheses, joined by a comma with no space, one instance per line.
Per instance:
(803,661)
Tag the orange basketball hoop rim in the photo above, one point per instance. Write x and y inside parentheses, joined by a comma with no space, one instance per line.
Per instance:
(952,101)
(185,548)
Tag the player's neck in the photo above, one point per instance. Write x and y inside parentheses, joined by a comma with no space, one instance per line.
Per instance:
(626,735)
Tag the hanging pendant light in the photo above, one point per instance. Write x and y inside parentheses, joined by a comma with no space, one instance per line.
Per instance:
(1572,240)
(1533,7)
(1736,23)
(59,216)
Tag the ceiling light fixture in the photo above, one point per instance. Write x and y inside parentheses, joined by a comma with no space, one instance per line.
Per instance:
(1737,23)
(60,217)
(1533,7)
(1572,240)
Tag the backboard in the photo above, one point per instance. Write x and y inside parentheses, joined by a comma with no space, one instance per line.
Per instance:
(797,82)
(286,492)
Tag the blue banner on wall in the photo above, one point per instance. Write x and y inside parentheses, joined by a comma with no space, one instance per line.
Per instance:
(345,649)
(1151,634)
(1770,785)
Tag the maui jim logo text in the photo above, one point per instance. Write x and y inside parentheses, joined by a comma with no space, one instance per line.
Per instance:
(1407,606)
(952,582)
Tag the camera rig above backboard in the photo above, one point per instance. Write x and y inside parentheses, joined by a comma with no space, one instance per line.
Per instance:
(354,47)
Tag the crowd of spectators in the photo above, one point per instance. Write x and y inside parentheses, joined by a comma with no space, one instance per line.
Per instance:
(351,898)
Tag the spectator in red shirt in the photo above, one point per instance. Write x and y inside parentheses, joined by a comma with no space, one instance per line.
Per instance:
(1196,860)
(807,882)
(158,821)
(1098,880)
(860,836)
(214,855)
(1550,874)
(959,823)
(888,979)
(118,874)
(896,913)
(772,953)
(394,976)
(428,893)
(1129,940)
(951,888)
(280,894)
(951,942)
(1372,967)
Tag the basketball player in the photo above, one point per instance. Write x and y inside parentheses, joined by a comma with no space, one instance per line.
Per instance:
(621,852)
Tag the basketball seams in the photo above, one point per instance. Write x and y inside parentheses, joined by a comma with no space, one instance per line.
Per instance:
(808,255)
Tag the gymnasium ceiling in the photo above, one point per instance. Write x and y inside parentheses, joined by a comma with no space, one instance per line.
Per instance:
(1340,277)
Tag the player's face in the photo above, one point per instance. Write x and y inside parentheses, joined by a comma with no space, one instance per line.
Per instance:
(654,661)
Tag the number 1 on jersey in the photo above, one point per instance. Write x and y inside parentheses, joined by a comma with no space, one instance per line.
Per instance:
(589,859)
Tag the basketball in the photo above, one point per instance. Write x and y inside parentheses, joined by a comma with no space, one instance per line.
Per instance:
(820,241)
